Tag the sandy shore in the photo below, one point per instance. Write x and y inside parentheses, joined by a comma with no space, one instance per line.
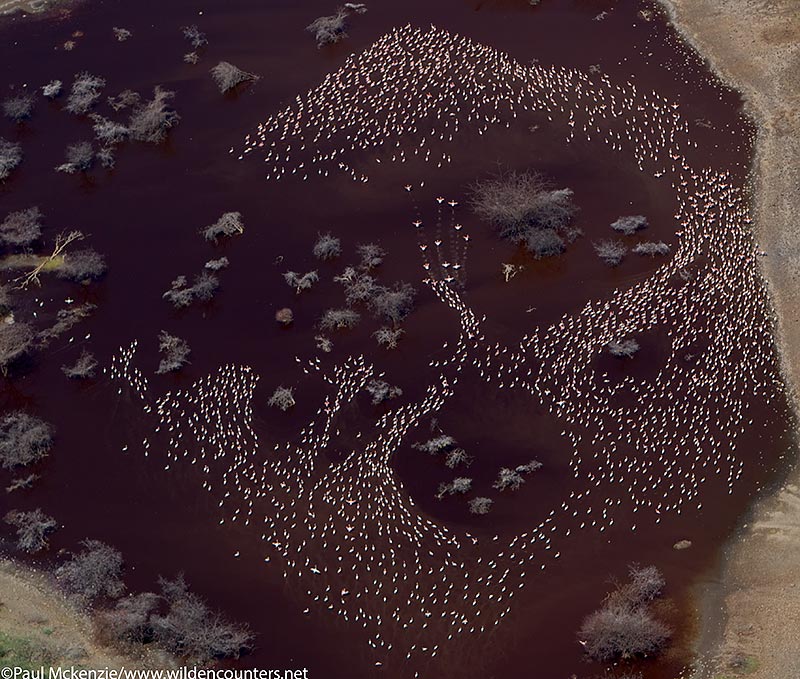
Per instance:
(750,613)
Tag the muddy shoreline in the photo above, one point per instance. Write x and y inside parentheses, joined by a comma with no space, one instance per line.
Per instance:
(756,50)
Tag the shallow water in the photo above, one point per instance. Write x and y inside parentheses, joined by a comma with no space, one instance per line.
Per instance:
(707,365)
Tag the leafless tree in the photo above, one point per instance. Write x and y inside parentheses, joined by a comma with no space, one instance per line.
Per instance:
(63,241)
(18,109)
(83,368)
(371,255)
(32,529)
(108,132)
(94,572)
(339,319)
(230,224)
(174,353)
(21,229)
(651,248)
(327,247)
(458,485)
(612,252)
(392,304)
(85,92)
(282,398)
(151,121)
(457,456)
(80,157)
(52,89)
(129,621)
(16,342)
(195,37)
(508,478)
(227,76)
(24,439)
(388,337)
(301,282)
(480,505)
(10,158)
(435,445)
(82,266)
(626,348)
(629,225)
(191,630)
(524,208)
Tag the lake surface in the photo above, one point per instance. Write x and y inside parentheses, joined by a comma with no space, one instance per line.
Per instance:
(319,526)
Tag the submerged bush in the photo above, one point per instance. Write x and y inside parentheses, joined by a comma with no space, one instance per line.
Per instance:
(623,348)
(331,29)
(229,224)
(282,398)
(83,368)
(18,108)
(23,439)
(327,247)
(651,248)
(94,572)
(151,121)
(82,266)
(16,342)
(10,158)
(300,283)
(32,529)
(629,225)
(85,92)
(79,158)
(227,76)
(175,353)
(612,252)
(339,319)
(22,228)
(480,505)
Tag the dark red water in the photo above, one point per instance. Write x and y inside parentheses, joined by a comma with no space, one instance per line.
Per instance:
(145,215)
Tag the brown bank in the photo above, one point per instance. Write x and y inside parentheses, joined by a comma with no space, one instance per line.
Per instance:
(750,622)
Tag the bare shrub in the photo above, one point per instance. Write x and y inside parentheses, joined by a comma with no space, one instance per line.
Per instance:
(623,348)
(80,157)
(612,252)
(524,208)
(339,319)
(129,621)
(629,225)
(18,109)
(623,627)
(331,29)
(381,391)
(16,342)
(529,467)
(121,34)
(457,456)
(190,629)
(392,304)
(32,529)
(217,264)
(108,132)
(360,288)
(66,319)
(651,248)
(388,337)
(191,58)
(181,295)
(229,224)
(195,37)
(284,316)
(227,76)
(52,89)
(82,266)
(21,483)
(205,286)
(435,445)
(85,92)
(10,158)
(83,368)
(123,100)
(508,478)
(458,485)
(620,632)
(371,255)
(282,398)
(300,283)
(106,157)
(94,572)
(323,343)
(480,505)
(175,353)
(22,228)
(23,439)
(151,121)
(327,247)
